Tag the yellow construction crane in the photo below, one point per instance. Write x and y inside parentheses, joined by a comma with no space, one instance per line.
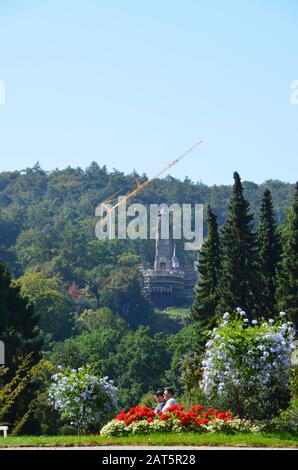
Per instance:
(139,185)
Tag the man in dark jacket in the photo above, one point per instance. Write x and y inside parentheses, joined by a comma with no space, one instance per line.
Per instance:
(159,400)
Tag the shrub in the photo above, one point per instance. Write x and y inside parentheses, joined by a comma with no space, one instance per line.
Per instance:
(288,419)
(83,398)
(246,365)
(142,420)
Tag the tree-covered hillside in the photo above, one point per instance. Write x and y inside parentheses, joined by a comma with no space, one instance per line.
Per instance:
(47,219)
(84,297)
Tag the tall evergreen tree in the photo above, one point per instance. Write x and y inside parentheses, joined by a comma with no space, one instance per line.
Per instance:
(238,278)
(206,295)
(268,254)
(287,290)
(18,324)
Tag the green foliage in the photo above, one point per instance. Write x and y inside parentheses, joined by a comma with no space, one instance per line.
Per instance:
(191,375)
(139,361)
(88,292)
(88,348)
(287,421)
(100,319)
(269,440)
(287,290)
(247,366)
(122,293)
(148,400)
(14,392)
(52,213)
(188,339)
(18,324)
(53,308)
(206,290)
(238,284)
(138,364)
(83,398)
(268,255)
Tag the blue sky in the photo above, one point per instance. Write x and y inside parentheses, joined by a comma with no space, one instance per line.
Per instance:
(132,84)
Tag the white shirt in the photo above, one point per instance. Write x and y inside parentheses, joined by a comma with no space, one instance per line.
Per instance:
(170,402)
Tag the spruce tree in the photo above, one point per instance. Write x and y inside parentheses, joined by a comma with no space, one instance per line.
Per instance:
(268,255)
(238,278)
(287,289)
(206,298)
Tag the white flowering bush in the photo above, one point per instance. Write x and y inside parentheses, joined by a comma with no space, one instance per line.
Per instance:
(115,428)
(82,398)
(232,427)
(246,365)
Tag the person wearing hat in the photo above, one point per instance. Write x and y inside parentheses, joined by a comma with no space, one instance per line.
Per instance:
(159,400)
(169,398)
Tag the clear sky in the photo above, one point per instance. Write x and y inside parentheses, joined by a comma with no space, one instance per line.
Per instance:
(133,83)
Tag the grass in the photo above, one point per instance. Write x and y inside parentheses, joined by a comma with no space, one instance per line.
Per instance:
(185,439)
(177,313)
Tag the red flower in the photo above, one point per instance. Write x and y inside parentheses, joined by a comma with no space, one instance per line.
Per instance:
(164,417)
(191,418)
(184,421)
(197,408)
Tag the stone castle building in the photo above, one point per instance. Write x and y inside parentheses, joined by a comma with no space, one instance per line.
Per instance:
(168,283)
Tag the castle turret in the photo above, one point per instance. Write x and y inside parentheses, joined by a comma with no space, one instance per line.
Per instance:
(163,250)
(175,261)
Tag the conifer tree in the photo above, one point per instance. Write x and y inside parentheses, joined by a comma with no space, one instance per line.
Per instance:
(268,255)
(287,289)
(238,285)
(206,296)
(18,324)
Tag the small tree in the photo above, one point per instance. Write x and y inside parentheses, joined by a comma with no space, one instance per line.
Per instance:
(14,390)
(191,373)
(84,399)
(247,365)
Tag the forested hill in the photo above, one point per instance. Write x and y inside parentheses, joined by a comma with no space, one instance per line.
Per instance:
(47,218)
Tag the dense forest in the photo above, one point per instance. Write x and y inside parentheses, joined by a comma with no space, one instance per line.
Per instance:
(47,218)
(87,304)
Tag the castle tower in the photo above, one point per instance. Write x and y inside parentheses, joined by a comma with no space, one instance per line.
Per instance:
(163,250)
(175,260)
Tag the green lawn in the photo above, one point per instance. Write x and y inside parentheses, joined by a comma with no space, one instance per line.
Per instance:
(179,314)
(187,439)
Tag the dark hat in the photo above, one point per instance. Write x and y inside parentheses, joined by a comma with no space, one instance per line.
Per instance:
(159,392)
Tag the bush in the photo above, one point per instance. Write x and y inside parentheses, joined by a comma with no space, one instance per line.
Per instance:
(288,419)
(142,420)
(246,366)
(148,400)
(83,398)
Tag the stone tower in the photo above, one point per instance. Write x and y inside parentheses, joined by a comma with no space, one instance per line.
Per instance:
(163,250)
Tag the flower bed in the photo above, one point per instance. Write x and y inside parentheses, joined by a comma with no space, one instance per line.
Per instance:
(142,420)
